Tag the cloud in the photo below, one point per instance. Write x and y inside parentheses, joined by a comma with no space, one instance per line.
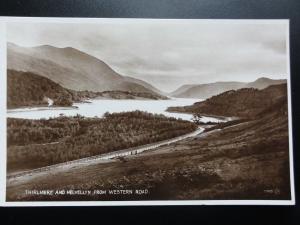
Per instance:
(177,51)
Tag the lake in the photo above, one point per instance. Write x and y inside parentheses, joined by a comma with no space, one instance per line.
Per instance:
(98,107)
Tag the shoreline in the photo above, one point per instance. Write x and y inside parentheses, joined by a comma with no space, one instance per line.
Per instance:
(77,106)
(226,118)
(86,101)
(80,105)
(40,108)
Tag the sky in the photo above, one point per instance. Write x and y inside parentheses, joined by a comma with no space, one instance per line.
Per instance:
(170,53)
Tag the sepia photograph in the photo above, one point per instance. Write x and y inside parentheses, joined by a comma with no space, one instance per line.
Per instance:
(146,111)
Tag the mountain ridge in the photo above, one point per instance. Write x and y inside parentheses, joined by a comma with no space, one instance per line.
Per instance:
(204,91)
(71,68)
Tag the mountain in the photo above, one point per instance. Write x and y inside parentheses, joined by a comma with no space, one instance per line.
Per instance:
(245,102)
(71,68)
(182,89)
(145,84)
(30,89)
(204,91)
(264,82)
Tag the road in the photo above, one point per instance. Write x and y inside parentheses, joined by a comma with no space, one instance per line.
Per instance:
(103,158)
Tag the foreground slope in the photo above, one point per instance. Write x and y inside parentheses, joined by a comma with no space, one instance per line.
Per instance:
(245,161)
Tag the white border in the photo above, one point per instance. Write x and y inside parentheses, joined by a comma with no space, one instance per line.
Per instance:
(291,148)
(4,20)
(3,93)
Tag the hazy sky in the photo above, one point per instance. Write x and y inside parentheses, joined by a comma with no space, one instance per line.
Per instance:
(170,53)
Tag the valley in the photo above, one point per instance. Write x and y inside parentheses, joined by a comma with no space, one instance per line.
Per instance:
(74,123)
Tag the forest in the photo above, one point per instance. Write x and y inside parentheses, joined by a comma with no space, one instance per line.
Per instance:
(36,143)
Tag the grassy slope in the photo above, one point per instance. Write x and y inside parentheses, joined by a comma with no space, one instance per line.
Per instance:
(245,161)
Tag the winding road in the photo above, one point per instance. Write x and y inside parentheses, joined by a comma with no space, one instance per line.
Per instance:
(29,174)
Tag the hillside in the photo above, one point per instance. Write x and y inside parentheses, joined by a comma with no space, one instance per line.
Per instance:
(245,102)
(204,91)
(29,89)
(71,68)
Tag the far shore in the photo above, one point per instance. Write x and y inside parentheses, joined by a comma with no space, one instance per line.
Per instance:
(87,100)
(40,108)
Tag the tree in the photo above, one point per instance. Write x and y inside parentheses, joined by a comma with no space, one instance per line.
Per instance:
(197,118)
(106,114)
(63,101)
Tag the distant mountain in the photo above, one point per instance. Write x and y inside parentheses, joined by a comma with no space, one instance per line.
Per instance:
(182,89)
(30,89)
(245,102)
(145,84)
(264,82)
(204,91)
(72,69)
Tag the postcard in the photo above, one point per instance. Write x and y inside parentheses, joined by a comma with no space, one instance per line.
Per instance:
(145,112)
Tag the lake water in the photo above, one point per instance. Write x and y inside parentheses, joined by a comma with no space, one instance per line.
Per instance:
(98,107)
